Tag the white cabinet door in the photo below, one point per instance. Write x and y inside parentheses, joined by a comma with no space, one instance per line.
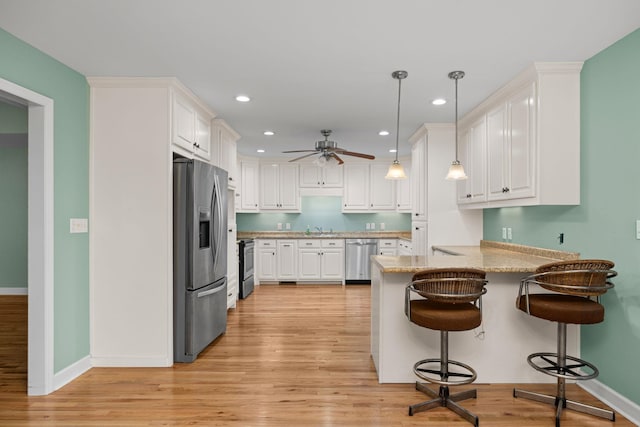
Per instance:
(382,193)
(332,177)
(232,266)
(288,187)
(472,155)
(310,176)
(184,123)
(269,186)
(419,180)
(387,246)
(266,263)
(419,238)
(403,191)
(356,187)
(332,261)
(202,146)
(249,186)
(287,255)
(309,263)
(497,152)
(521,136)
(228,154)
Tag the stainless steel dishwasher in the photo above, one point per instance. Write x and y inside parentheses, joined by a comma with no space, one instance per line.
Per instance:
(357,263)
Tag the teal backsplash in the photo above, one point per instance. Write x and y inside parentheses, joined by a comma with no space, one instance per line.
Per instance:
(325,212)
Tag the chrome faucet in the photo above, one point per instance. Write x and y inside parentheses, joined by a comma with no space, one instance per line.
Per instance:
(319,229)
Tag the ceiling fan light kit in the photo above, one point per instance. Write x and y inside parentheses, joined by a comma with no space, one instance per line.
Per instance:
(456,170)
(396,171)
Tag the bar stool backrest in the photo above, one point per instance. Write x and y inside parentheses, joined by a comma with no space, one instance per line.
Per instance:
(450,285)
(585,277)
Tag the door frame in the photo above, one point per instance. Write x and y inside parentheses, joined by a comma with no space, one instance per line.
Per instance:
(40,235)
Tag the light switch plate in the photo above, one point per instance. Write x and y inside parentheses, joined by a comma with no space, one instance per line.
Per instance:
(504,233)
(638,229)
(368,226)
(382,226)
(288,226)
(509,234)
(373,225)
(279,226)
(78,225)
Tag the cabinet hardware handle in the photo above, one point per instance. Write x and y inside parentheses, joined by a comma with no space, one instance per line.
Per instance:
(505,189)
(322,182)
(371,204)
(468,196)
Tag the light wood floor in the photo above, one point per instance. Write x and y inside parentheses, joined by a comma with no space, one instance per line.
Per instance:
(292,356)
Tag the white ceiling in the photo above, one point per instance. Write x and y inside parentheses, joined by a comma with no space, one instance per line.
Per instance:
(316,64)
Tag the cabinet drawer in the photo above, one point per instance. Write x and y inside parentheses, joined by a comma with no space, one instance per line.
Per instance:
(387,243)
(309,243)
(266,244)
(333,243)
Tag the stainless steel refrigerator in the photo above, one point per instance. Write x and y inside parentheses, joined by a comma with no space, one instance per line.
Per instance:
(199,256)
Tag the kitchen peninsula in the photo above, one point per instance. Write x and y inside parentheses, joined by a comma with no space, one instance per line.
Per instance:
(498,349)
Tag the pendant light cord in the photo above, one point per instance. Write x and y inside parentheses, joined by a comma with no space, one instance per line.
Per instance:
(398,118)
(456,120)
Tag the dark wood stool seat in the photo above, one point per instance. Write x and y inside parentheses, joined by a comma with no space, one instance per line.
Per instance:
(576,287)
(449,300)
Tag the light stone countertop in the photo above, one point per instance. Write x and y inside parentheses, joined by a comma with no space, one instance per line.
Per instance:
(495,257)
(326,235)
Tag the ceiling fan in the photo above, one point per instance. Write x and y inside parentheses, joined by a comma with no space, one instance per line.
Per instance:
(328,151)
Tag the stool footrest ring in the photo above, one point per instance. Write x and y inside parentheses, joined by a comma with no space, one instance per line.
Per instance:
(548,363)
(437,376)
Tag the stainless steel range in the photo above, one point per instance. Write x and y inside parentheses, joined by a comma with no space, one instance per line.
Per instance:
(245,276)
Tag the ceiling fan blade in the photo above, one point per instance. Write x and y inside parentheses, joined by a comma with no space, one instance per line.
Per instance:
(361,155)
(300,151)
(335,156)
(302,157)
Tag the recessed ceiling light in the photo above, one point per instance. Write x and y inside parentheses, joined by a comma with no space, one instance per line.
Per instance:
(260,150)
(269,132)
(243,98)
(383,133)
(392,150)
(439,101)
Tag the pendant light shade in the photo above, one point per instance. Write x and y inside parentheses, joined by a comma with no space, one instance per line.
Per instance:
(456,170)
(396,171)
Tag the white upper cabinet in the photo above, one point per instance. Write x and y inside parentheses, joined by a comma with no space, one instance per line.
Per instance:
(366,189)
(191,129)
(249,186)
(312,176)
(279,187)
(225,149)
(419,179)
(532,141)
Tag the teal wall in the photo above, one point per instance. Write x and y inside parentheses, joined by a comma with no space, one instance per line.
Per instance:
(325,212)
(32,69)
(13,193)
(603,226)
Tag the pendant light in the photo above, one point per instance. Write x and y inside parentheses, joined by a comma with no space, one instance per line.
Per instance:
(456,171)
(396,171)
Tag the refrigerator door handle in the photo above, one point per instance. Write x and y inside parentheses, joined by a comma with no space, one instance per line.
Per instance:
(210,291)
(219,224)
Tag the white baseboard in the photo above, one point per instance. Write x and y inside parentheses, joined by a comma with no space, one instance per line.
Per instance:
(71,372)
(131,362)
(16,290)
(615,400)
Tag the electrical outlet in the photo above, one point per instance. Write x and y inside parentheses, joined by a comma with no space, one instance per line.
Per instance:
(279,226)
(373,225)
(368,226)
(638,229)
(288,226)
(509,234)
(504,233)
(382,226)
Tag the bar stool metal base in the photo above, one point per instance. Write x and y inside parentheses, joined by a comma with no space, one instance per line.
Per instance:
(442,398)
(555,364)
(560,403)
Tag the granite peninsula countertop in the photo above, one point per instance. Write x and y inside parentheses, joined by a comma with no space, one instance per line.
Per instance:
(326,235)
(493,257)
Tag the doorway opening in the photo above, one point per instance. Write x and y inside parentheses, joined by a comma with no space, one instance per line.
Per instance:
(40,234)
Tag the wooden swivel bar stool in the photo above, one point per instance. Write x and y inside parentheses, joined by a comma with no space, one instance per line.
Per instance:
(575,288)
(450,300)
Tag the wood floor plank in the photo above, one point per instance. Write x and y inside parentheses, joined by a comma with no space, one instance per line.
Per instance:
(291,356)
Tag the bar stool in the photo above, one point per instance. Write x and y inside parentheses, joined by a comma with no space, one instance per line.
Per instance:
(450,300)
(576,287)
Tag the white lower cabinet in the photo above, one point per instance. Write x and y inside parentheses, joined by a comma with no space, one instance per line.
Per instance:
(321,259)
(287,254)
(266,260)
(419,238)
(387,247)
(404,247)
